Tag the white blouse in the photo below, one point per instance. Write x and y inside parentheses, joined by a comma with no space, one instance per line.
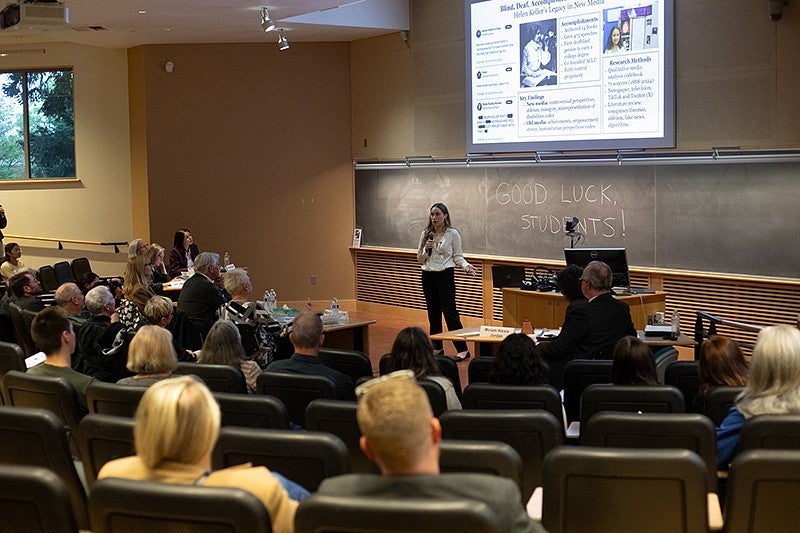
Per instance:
(446,253)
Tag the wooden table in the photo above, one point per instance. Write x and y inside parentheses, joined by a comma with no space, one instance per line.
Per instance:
(350,335)
(487,346)
(547,309)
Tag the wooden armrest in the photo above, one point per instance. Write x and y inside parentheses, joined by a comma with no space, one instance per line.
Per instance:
(534,506)
(714,512)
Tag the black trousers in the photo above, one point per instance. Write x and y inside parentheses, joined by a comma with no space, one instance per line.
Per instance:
(440,298)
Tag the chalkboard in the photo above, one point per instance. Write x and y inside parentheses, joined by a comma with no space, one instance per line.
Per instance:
(730,218)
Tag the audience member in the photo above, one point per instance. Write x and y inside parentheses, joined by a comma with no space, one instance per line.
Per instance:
(590,331)
(175,430)
(633,363)
(159,311)
(773,387)
(151,357)
(201,297)
(52,332)
(25,288)
(88,281)
(135,294)
(412,350)
(69,296)
(97,336)
(307,339)
(155,258)
(401,435)
(722,364)
(183,252)
(223,346)
(568,283)
(136,247)
(517,362)
(11,260)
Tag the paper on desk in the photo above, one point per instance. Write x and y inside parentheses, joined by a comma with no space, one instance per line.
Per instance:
(547,333)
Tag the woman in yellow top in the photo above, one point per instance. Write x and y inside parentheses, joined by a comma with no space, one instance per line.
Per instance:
(11,261)
(175,430)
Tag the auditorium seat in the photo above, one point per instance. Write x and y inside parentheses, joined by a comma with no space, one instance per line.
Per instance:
(112,399)
(635,398)
(719,401)
(122,505)
(490,396)
(252,410)
(22,328)
(218,378)
(686,376)
(483,457)
(339,418)
(47,277)
(102,438)
(34,499)
(351,363)
(579,374)
(772,432)
(479,369)
(296,391)
(63,272)
(436,396)
(11,358)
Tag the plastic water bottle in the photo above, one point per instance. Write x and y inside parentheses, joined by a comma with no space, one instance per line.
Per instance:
(335,308)
(273,300)
(226,260)
(675,325)
(266,302)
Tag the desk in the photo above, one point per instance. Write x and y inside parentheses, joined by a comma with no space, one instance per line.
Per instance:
(547,309)
(487,346)
(351,335)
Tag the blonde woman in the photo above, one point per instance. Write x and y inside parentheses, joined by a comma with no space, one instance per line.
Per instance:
(223,346)
(773,386)
(175,429)
(154,256)
(135,293)
(151,357)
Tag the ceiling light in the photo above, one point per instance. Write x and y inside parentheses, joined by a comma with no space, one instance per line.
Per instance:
(283,44)
(266,22)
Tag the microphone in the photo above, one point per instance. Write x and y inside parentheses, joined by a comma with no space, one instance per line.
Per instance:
(430,238)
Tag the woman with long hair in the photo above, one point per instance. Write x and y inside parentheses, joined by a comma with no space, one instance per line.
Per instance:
(11,260)
(439,252)
(183,252)
(722,364)
(412,350)
(223,346)
(773,387)
(517,362)
(633,363)
(135,294)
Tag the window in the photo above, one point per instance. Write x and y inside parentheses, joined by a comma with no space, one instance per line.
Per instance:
(37,125)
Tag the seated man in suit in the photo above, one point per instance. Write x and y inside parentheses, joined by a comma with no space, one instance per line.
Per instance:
(53,334)
(590,331)
(26,287)
(201,296)
(400,434)
(307,337)
(97,335)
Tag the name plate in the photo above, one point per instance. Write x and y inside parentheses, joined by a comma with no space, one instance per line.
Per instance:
(496,332)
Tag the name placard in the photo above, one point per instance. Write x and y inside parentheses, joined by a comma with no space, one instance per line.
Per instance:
(496,332)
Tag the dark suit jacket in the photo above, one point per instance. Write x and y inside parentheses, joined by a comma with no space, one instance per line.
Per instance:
(589,332)
(500,494)
(310,365)
(199,301)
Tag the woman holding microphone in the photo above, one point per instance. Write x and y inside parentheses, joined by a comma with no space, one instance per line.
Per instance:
(439,252)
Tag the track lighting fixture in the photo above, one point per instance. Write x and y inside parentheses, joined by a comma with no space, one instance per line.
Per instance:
(283,44)
(266,22)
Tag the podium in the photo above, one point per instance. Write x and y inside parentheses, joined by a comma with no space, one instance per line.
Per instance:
(547,309)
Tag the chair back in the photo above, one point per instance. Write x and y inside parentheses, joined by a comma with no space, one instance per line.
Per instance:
(184,332)
(22,329)
(363,514)
(218,378)
(33,499)
(449,369)
(296,391)
(351,363)
(252,411)
(579,374)
(103,438)
(719,401)
(117,505)
(686,376)
(112,399)
(763,491)
(36,437)
(688,431)
(80,266)
(47,276)
(531,433)
(339,418)
(627,398)
(306,457)
(63,272)
(11,358)
(483,457)
(57,395)
(773,432)
(480,369)
(663,358)
(662,490)
(436,396)
(491,396)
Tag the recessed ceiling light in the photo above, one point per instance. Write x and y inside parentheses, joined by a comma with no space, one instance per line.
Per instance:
(142,11)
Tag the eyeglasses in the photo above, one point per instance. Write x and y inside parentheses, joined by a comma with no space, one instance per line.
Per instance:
(398,374)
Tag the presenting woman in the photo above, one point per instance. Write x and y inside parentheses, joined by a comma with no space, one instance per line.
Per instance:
(439,253)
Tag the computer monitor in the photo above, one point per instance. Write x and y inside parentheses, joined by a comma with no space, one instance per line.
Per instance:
(613,257)
(507,276)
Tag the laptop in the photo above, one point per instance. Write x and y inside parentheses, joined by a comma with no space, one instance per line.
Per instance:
(507,276)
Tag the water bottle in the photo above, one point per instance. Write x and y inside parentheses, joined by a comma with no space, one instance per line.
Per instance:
(226,260)
(273,300)
(266,302)
(675,325)
(335,308)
